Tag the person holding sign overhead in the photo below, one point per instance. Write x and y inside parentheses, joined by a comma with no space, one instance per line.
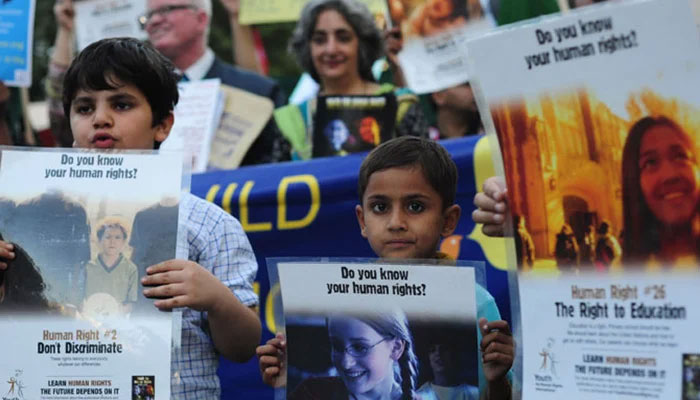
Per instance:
(336,42)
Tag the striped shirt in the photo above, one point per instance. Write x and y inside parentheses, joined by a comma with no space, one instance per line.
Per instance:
(215,240)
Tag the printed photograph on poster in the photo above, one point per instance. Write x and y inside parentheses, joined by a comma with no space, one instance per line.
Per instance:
(144,388)
(623,193)
(691,376)
(351,124)
(83,239)
(387,328)
(423,18)
(85,226)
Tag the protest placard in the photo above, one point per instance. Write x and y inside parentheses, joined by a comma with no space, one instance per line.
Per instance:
(336,312)
(101,19)
(434,35)
(75,322)
(274,11)
(596,118)
(16,42)
(351,124)
(242,120)
(197,117)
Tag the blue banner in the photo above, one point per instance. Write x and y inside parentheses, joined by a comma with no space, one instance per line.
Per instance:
(307,209)
(16,31)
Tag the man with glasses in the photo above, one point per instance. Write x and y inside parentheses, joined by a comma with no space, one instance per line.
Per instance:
(179,30)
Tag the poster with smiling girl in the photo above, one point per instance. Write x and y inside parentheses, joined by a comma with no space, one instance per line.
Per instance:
(595,118)
(365,329)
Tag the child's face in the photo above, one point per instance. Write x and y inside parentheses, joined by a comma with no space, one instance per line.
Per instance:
(120,118)
(368,374)
(112,242)
(402,215)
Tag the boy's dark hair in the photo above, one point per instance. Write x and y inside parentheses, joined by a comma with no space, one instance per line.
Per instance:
(406,151)
(110,63)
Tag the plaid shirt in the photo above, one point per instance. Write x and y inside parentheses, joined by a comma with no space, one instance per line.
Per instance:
(216,241)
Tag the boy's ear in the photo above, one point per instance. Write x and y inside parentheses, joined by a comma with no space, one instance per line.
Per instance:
(451,219)
(164,127)
(361,220)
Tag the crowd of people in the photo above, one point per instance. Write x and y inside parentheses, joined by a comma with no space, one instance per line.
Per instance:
(120,94)
(336,43)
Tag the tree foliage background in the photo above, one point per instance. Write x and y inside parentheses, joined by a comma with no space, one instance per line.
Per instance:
(275,36)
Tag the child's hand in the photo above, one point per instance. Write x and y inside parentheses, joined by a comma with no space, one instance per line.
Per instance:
(7,252)
(491,206)
(181,283)
(271,357)
(497,348)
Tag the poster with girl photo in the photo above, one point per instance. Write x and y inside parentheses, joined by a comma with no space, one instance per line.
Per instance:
(594,124)
(358,328)
(352,124)
(434,33)
(79,224)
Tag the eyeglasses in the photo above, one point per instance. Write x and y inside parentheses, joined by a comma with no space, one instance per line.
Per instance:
(357,350)
(163,11)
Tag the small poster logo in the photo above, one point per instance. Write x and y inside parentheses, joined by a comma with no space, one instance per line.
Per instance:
(15,390)
(143,387)
(691,376)
(549,359)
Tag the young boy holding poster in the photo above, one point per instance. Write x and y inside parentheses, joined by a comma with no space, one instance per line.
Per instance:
(407,189)
(120,94)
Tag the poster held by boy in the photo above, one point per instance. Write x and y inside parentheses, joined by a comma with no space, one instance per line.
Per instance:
(407,190)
